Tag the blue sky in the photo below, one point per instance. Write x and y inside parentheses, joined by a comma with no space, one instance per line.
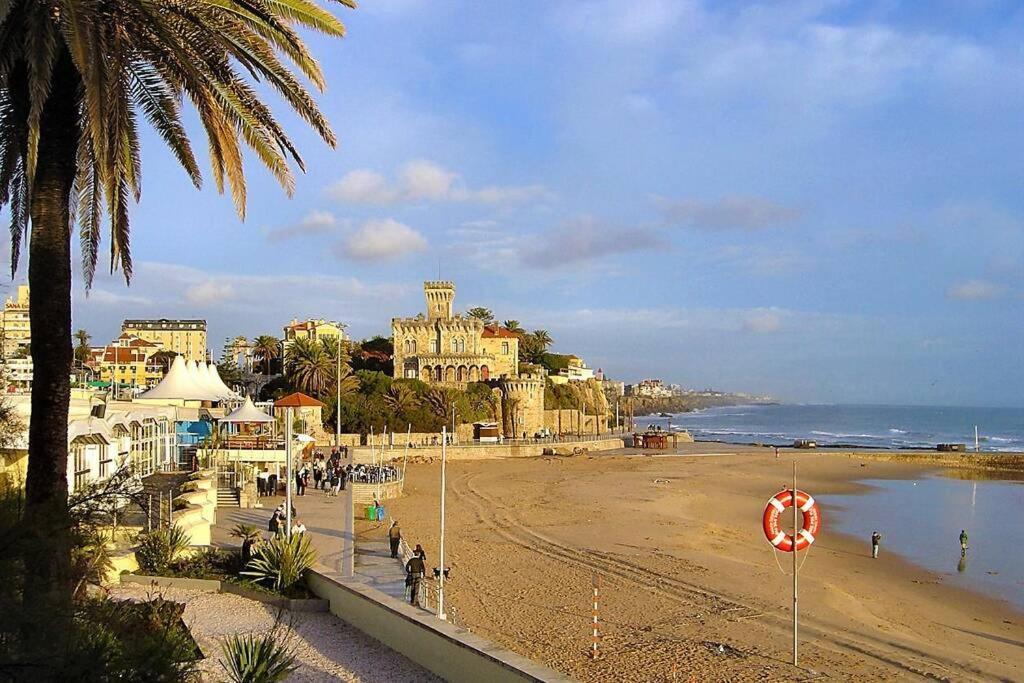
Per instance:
(817,200)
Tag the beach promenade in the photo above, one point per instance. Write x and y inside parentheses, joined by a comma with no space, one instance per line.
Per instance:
(324,520)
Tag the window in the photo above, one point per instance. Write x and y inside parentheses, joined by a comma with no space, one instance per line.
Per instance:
(81,467)
(412,345)
(504,348)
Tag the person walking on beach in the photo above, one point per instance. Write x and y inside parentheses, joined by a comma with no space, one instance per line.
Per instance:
(776,452)
(963,543)
(415,570)
(876,540)
(394,538)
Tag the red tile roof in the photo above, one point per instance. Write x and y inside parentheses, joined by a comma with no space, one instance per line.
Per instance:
(297,400)
(491,331)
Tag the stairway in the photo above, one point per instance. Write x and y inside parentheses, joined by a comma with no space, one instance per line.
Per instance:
(227,497)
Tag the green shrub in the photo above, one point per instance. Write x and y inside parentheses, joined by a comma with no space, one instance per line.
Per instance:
(250,658)
(158,549)
(122,641)
(208,563)
(281,563)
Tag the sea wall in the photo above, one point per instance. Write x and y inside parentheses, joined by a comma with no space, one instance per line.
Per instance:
(451,652)
(997,462)
(365,454)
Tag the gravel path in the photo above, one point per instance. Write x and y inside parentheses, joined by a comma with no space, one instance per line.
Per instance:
(328,649)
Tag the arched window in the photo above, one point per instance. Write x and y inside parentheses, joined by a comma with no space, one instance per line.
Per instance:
(485,374)
(412,346)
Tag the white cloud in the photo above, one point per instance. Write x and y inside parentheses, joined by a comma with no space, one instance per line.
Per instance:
(210,292)
(584,239)
(382,240)
(425,180)
(973,290)
(314,223)
(617,22)
(105,297)
(726,213)
(763,322)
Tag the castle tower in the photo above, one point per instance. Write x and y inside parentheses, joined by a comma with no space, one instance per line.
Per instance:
(440,295)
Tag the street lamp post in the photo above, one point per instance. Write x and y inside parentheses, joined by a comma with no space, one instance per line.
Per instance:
(440,553)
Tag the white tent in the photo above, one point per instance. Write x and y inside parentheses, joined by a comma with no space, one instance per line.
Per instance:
(218,383)
(247,412)
(182,382)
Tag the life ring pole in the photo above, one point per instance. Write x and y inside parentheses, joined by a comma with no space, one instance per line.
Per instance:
(796,527)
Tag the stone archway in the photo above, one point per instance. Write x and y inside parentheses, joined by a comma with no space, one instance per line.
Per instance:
(485,374)
(425,374)
(449,373)
(463,373)
(438,374)
(474,373)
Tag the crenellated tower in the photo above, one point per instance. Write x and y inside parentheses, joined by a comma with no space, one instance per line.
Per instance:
(440,295)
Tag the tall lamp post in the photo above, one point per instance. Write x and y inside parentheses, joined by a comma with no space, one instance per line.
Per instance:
(296,400)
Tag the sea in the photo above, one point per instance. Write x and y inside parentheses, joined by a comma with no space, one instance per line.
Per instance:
(863,426)
(919,519)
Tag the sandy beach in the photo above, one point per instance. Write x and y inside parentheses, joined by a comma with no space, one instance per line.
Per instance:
(690,590)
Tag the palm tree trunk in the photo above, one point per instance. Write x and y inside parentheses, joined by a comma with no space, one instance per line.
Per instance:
(47,594)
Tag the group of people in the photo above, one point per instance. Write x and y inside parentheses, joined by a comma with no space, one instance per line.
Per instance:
(278,523)
(266,483)
(327,474)
(372,474)
(876,542)
(415,567)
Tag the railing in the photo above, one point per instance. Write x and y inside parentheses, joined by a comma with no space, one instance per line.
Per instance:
(426,595)
(253,443)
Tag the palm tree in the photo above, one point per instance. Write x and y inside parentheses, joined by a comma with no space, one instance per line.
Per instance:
(543,338)
(440,403)
(74,79)
(82,348)
(308,367)
(481,313)
(400,398)
(266,348)
(513,326)
(349,384)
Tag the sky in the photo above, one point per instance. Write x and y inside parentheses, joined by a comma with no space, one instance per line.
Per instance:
(821,201)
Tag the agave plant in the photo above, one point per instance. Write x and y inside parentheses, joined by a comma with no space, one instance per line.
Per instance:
(250,658)
(246,532)
(159,548)
(282,562)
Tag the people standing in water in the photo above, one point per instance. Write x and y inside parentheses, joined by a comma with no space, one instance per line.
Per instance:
(963,542)
(876,540)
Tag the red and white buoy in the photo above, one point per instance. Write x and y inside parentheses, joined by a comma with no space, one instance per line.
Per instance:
(808,530)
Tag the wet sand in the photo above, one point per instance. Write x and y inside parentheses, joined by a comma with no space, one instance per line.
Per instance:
(690,590)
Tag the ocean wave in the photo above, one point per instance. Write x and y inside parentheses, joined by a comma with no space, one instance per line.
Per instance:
(893,430)
(849,436)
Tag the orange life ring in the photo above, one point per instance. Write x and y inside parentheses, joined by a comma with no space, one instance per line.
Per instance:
(777,504)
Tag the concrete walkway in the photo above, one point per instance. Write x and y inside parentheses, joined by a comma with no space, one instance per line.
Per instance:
(324,519)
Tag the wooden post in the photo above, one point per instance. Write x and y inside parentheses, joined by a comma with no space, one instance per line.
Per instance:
(596,635)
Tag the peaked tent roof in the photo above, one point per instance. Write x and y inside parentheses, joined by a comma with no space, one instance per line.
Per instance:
(182,381)
(297,400)
(247,412)
(218,383)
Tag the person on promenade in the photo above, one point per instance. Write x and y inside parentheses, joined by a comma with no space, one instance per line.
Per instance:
(342,478)
(298,528)
(415,570)
(274,526)
(262,483)
(317,474)
(394,538)
(300,482)
(379,510)
(876,540)
(963,542)
(420,553)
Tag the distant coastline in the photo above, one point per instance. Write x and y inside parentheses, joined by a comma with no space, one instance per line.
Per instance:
(689,403)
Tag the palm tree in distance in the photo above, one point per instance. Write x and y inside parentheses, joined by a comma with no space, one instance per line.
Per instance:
(75,77)
(543,338)
(400,398)
(266,348)
(513,326)
(82,347)
(308,367)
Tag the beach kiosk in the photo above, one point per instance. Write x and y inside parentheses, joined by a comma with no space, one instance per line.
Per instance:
(485,432)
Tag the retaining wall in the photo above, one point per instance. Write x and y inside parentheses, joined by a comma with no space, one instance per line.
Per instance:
(479,452)
(451,652)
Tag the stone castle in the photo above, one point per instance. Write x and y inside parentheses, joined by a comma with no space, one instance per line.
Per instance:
(446,348)
(443,347)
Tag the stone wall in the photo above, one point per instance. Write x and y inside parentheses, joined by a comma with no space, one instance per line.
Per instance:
(522,405)
(490,451)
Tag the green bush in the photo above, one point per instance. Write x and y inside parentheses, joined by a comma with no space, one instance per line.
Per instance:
(158,549)
(281,563)
(208,563)
(122,641)
(250,658)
